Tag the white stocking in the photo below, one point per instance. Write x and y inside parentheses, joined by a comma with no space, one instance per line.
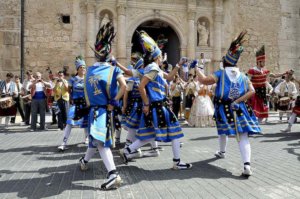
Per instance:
(139,143)
(89,154)
(176,148)
(131,135)
(67,133)
(223,139)
(245,147)
(107,157)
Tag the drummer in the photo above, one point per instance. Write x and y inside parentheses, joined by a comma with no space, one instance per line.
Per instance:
(7,89)
(17,99)
(287,92)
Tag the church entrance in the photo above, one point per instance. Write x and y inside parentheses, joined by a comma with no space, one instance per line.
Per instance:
(164,35)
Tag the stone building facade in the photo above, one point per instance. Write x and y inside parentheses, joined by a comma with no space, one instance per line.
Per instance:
(58,30)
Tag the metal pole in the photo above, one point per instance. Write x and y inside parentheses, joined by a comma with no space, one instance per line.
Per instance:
(22,39)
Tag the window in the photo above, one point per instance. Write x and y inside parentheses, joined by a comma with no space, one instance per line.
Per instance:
(65,19)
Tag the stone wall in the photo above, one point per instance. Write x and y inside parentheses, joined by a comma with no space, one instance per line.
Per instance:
(9,37)
(289,36)
(48,41)
(262,21)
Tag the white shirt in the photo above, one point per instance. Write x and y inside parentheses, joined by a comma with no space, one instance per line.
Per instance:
(233,73)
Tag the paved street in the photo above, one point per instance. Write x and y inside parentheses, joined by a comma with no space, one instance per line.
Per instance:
(31,167)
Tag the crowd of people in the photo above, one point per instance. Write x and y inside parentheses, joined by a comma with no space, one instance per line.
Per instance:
(148,98)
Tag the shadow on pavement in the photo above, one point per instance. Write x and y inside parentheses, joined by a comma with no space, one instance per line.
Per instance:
(30,150)
(292,150)
(281,137)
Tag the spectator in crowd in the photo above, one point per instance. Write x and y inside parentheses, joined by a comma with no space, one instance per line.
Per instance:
(17,99)
(38,104)
(27,97)
(8,89)
(190,89)
(50,96)
(61,96)
(176,90)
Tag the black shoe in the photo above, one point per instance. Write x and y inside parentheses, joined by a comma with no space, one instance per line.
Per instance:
(53,123)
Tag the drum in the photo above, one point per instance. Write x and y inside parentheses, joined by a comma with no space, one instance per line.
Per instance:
(6,102)
(284,101)
(26,98)
(7,107)
(284,104)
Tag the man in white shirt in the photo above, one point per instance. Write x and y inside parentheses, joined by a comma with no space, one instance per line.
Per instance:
(286,91)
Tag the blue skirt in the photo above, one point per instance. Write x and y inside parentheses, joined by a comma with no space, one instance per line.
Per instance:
(246,120)
(134,117)
(82,123)
(98,127)
(169,131)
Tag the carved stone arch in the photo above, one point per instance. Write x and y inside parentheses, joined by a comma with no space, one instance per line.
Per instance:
(208,25)
(162,17)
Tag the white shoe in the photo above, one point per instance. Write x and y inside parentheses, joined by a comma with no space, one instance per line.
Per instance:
(220,154)
(114,181)
(83,164)
(135,154)
(181,166)
(247,170)
(287,130)
(62,147)
(152,153)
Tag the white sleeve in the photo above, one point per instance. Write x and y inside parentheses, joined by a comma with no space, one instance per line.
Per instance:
(277,89)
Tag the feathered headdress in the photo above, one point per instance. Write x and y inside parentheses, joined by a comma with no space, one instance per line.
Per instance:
(104,38)
(235,50)
(260,54)
(79,62)
(149,45)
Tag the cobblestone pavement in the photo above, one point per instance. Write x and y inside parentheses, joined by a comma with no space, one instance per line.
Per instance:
(31,167)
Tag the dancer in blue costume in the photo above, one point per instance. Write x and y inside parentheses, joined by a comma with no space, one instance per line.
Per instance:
(232,113)
(158,122)
(104,86)
(76,86)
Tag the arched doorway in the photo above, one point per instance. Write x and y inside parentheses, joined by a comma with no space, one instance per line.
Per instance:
(159,29)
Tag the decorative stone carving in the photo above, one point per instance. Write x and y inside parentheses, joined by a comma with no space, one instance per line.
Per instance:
(121,8)
(203,34)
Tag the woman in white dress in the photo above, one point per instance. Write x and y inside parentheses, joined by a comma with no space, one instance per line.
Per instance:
(202,110)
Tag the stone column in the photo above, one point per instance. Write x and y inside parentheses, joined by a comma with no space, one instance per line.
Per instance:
(76,21)
(191,35)
(90,34)
(217,35)
(121,33)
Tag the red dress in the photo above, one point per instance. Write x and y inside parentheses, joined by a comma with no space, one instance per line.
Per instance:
(258,101)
